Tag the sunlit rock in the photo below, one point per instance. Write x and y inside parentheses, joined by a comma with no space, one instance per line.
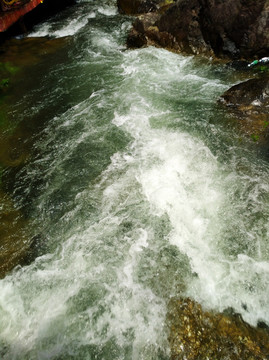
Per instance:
(198,334)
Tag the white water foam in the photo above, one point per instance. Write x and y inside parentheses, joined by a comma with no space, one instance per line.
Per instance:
(68,29)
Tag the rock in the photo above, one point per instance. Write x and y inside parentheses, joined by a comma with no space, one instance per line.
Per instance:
(140,33)
(136,39)
(249,102)
(132,7)
(15,241)
(236,28)
(182,22)
(196,334)
(227,29)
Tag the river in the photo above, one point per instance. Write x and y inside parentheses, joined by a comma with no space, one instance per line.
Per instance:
(140,190)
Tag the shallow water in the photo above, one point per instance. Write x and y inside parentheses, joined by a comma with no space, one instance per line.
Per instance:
(139,189)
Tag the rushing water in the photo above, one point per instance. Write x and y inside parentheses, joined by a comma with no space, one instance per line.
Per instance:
(139,191)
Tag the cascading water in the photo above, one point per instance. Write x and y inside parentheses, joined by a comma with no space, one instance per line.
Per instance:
(138,193)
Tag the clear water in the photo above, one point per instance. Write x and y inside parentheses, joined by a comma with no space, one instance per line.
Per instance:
(139,191)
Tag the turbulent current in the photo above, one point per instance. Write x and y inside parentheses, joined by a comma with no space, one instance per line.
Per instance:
(138,189)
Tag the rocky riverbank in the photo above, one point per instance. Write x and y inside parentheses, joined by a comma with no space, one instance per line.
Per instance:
(230,29)
(227,30)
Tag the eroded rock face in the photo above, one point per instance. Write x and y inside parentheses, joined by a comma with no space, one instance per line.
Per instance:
(249,102)
(231,28)
(199,335)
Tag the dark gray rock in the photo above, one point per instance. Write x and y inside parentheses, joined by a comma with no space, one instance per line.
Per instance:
(227,29)
(249,103)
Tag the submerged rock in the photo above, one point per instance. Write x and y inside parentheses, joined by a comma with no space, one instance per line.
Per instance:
(30,50)
(15,240)
(196,334)
(249,103)
(232,28)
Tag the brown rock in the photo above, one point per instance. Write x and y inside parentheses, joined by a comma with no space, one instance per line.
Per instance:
(182,22)
(236,28)
(136,39)
(199,335)
(231,28)
(142,31)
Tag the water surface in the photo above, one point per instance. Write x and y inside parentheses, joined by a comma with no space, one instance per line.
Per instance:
(139,190)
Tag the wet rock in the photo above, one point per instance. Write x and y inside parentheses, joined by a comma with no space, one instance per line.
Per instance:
(196,334)
(28,51)
(182,21)
(142,27)
(136,39)
(236,28)
(230,29)
(15,240)
(132,7)
(14,150)
(249,103)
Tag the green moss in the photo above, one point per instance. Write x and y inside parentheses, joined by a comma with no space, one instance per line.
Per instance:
(166,2)
(255,137)
(4,83)
(7,71)
(265,124)
(7,67)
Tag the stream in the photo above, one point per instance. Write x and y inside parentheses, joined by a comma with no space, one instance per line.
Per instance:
(138,188)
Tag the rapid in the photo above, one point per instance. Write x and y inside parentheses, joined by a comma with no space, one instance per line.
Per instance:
(138,189)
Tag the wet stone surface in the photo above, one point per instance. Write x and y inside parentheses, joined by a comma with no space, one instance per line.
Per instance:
(14,235)
(196,334)
(248,102)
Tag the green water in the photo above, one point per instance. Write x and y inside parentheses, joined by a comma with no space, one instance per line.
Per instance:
(138,189)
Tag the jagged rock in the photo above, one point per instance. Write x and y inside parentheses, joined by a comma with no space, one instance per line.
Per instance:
(231,28)
(249,102)
(138,34)
(196,334)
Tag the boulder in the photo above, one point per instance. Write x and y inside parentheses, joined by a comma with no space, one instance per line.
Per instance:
(236,28)
(228,29)
(249,103)
(196,334)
